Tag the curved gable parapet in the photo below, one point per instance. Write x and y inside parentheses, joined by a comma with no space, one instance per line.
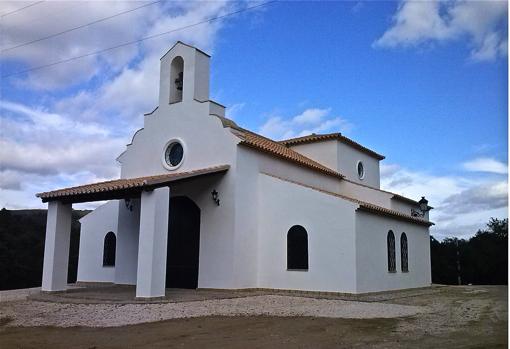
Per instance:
(204,140)
(119,158)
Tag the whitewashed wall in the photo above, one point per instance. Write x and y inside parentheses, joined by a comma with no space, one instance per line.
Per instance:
(342,158)
(372,258)
(329,222)
(248,216)
(216,257)
(324,152)
(94,227)
(348,158)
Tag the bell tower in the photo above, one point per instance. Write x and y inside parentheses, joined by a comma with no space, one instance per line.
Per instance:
(184,75)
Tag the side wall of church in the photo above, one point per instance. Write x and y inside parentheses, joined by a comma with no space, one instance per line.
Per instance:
(329,223)
(372,254)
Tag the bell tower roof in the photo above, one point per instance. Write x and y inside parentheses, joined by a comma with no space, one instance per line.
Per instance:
(187,45)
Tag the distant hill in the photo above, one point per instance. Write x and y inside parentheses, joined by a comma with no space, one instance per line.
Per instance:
(22,234)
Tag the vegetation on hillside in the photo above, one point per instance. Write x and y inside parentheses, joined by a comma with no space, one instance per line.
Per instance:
(482,259)
(22,247)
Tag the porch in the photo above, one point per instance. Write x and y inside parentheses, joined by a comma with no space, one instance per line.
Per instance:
(145,254)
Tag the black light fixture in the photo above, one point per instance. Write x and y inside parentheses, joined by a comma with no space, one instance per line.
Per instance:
(424,208)
(215,197)
(129,204)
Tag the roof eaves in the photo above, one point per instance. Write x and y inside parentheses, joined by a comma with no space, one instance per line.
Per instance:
(362,205)
(408,200)
(329,136)
(123,184)
(392,213)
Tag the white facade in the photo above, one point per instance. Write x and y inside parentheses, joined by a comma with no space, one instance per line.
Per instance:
(267,189)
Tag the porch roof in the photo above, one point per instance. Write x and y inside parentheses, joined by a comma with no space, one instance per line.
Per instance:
(124,187)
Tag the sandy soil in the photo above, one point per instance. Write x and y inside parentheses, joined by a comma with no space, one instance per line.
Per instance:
(455,317)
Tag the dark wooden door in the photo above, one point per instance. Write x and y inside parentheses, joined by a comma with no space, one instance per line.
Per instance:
(183,243)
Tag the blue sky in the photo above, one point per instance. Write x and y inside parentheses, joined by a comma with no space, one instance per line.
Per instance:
(424,83)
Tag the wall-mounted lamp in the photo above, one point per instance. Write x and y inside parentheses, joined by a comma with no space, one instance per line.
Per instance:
(129,204)
(424,208)
(215,197)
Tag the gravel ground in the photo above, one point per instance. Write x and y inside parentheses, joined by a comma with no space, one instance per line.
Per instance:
(34,313)
(446,317)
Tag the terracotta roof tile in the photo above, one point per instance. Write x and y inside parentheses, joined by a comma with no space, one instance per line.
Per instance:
(267,145)
(275,148)
(363,205)
(328,136)
(128,183)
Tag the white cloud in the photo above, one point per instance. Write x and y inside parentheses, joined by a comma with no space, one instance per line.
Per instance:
(486,165)
(482,197)
(462,205)
(312,120)
(53,17)
(232,112)
(311,116)
(75,138)
(37,142)
(420,22)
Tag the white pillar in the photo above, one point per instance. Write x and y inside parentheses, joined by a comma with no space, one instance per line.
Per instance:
(126,254)
(151,272)
(56,247)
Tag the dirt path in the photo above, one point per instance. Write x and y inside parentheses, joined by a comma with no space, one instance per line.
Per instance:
(459,317)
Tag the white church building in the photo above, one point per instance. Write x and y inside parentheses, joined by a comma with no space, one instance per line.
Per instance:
(204,203)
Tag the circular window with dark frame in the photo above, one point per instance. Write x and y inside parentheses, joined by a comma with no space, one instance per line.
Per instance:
(361,170)
(174,154)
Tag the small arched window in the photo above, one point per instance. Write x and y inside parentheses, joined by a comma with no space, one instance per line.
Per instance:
(404,253)
(176,79)
(390,240)
(110,242)
(297,248)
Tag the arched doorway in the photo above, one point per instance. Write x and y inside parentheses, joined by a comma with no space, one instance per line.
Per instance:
(183,243)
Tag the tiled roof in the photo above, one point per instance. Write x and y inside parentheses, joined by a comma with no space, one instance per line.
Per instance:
(363,205)
(281,150)
(274,148)
(261,143)
(328,136)
(127,184)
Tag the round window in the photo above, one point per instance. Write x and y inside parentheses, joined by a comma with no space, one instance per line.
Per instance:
(174,153)
(361,170)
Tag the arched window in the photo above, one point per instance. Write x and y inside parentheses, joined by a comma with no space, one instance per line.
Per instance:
(297,248)
(176,79)
(110,242)
(404,253)
(392,265)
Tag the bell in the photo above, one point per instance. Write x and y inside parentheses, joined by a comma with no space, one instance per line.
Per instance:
(178,81)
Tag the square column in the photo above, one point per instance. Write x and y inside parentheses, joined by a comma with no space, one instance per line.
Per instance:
(56,246)
(151,271)
(128,227)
